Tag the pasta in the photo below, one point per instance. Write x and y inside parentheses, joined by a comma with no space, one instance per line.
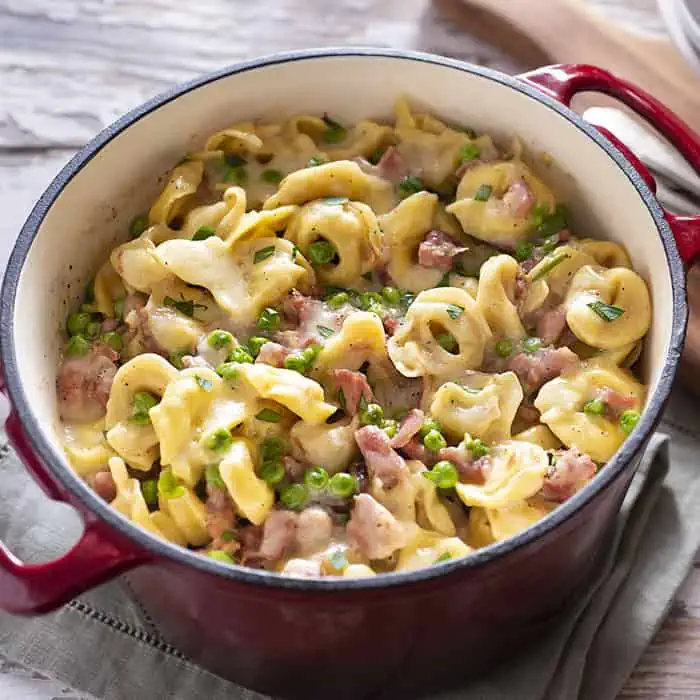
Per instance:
(332,350)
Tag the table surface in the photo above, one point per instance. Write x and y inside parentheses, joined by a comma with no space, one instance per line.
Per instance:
(69,67)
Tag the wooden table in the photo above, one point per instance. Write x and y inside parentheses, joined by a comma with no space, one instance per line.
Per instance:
(69,67)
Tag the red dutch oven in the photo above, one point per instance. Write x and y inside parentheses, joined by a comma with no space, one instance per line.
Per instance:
(396,634)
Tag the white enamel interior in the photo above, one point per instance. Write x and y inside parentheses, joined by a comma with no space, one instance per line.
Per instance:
(91,214)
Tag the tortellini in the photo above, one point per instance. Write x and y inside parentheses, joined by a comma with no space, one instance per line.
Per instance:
(428,548)
(484,407)
(493,201)
(136,443)
(86,447)
(496,294)
(415,348)
(404,228)
(243,279)
(332,445)
(608,308)
(181,187)
(361,339)
(352,229)
(561,402)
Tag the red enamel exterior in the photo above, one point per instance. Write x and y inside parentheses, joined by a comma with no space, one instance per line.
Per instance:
(383,641)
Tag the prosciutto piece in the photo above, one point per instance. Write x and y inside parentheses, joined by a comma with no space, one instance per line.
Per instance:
(383,462)
(314,530)
(519,199)
(103,484)
(220,518)
(438,249)
(551,325)
(84,384)
(279,534)
(570,472)
(373,529)
(472,471)
(272,354)
(354,385)
(617,403)
(410,425)
(536,368)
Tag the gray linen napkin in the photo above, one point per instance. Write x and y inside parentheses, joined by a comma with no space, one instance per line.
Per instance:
(105,646)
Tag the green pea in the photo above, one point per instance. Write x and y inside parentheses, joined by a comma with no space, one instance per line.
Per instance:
(434,441)
(220,555)
(212,476)
(220,339)
(504,347)
(77,322)
(447,342)
(272,471)
(255,342)
(311,353)
(321,252)
(444,475)
(143,402)
(113,339)
(477,448)
(175,359)
(429,425)
(228,370)
(169,485)
(218,440)
(392,295)
(316,478)
(372,414)
(149,489)
(370,299)
(273,177)
(273,447)
(295,362)
(390,427)
(293,496)
(240,354)
(469,152)
(628,421)
(137,226)
(269,319)
(342,485)
(93,329)
(596,407)
(204,232)
(532,344)
(337,300)
(77,346)
(523,250)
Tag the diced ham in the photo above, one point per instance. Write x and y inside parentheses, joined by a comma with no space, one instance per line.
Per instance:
(570,472)
(373,529)
(314,529)
(301,568)
(250,538)
(220,518)
(415,449)
(140,322)
(84,383)
(534,369)
(133,302)
(294,306)
(391,166)
(438,249)
(551,325)
(473,471)
(390,324)
(353,385)
(383,462)
(272,354)
(519,199)
(527,413)
(279,534)
(103,484)
(617,403)
(293,468)
(410,425)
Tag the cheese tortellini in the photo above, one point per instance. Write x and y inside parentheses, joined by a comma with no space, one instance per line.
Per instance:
(344,350)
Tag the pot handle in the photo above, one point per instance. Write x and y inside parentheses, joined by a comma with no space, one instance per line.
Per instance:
(100,555)
(565,81)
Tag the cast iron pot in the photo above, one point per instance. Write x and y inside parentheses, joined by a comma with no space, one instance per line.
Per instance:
(398,633)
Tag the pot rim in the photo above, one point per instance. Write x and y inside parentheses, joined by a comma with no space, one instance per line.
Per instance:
(162,548)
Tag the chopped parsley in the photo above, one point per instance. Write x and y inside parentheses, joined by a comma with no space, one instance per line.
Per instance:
(454,311)
(607,312)
(264,254)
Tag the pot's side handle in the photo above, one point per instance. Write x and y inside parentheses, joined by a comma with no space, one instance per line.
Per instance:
(563,82)
(99,555)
